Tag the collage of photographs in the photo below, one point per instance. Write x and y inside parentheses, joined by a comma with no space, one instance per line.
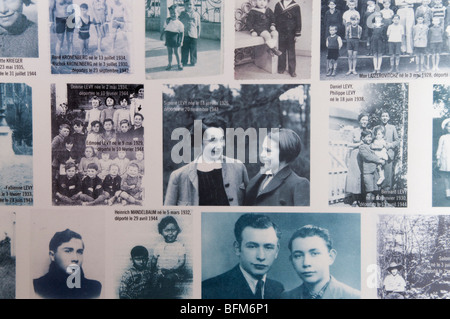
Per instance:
(330,118)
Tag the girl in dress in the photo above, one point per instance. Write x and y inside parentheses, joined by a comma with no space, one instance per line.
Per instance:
(443,156)
(169,258)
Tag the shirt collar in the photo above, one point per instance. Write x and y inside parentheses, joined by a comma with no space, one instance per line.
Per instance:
(252,282)
(319,295)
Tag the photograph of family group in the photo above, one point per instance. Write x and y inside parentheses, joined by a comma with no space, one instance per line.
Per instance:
(236,145)
(368,148)
(97,144)
(384,38)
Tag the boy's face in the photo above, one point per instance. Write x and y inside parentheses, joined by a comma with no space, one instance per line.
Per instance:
(396,20)
(108,126)
(124,127)
(379,135)
(96,128)
(378,20)
(109,102)
(140,262)
(420,20)
(78,128)
(213,143)
(124,103)
(368,139)
(91,172)
(64,131)
(173,13)
(70,172)
(114,170)
(332,5)
(354,22)
(312,259)
(385,118)
(68,253)
(138,120)
(105,156)
(10,11)
(370,6)
(351,5)
(386,4)
(188,6)
(88,152)
(132,171)
(261,3)
(84,11)
(394,272)
(333,30)
(69,146)
(270,155)
(141,93)
(139,156)
(121,154)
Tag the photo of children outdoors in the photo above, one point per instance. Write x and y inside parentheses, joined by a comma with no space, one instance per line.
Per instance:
(413,253)
(368,146)
(154,257)
(97,144)
(363,39)
(241,145)
(90,36)
(272,39)
(183,38)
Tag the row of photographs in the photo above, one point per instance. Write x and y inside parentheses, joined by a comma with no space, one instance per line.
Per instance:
(367,40)
(295,255)
(222,145)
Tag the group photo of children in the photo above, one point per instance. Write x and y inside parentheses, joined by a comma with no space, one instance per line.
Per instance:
(97,144)
(384,36)
(368,148)
(183,38)
(82,28)
(154,257)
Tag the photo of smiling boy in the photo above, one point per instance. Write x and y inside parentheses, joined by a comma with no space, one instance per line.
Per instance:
(312,254)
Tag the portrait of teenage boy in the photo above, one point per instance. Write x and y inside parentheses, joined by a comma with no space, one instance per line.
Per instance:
(66,249)
(19,35)
(256,246)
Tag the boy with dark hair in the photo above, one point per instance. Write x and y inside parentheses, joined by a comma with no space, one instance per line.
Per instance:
(192,29)
(136,282)
(92,188)
(68,187)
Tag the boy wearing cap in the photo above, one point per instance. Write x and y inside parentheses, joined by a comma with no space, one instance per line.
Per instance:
(394,285)
(136,281)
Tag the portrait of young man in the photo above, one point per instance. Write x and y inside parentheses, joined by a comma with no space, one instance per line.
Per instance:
(312,254)
(256,247)
(65,278)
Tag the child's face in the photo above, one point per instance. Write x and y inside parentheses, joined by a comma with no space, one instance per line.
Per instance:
(332,5)
(140,262)
(132,171)
(188,6)
(378,20)
(64,131)
(173,13)
(96,128)
(121,154)
(124,127)
(138,120)
(436,21)
(385,118)
(170,233)
(354,22)
(379,135)
(114,170)
(368,139)
(447,127)
(92,173)
(70,172)
(370,6)
(396,20)
(420,20)
(333,30)
(109,102)
(78,128)
(69,146)
(10,12)
(88,152)
(351,5)
(139,155)
(84,11)
(437,2)
(124,103)
(386,4)
(394,272)
(426,2)
(108,126)
(105,156)
(261,3)
(95,103)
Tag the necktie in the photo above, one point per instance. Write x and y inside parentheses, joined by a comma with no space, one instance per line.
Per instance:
(266,180)
(259,289)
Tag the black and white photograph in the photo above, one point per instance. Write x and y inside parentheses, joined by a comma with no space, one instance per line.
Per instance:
(281,256)
(413,254)
(272,39)
(19,29)
(7,255)
(153,254)
(368,145)
(97,144)
(183,38)
(236,145)
(67,255)
(91,36)
(16,142)
(381,39)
